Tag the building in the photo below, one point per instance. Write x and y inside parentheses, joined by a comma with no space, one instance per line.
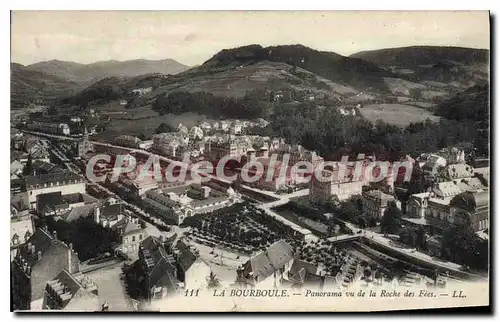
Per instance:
(278,180)
(41,167)
(436,208)
(224,125)
(142,91)
(375,202)
(431,165)
(71,292)
(127,141)
(21,229)
(191,269)
(146,144)
(236,127)
(40,259)
(195,133)
(262,123)
(128,232)
(453,155)
(130,235)
(229,146)
(64,182)
(330,186)
(52,128)
(170,144)
(157,272)
(16,169)
(205,126)
(177,203)
(84,145)
(455,172)
(56,204)
(417,204)
(303,273)
(34,148)
(137,188)
(268,268)
(469,209)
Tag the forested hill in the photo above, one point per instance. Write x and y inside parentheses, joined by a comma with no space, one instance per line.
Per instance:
(423,55)
(34,87)
(472,104)
(354,72)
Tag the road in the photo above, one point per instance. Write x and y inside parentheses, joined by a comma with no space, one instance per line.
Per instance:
(111,288)
(380,239)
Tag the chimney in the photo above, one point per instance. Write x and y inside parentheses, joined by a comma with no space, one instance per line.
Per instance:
(97,214)
(54,233)
(70,251)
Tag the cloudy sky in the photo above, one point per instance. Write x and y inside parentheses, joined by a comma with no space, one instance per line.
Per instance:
(193,37)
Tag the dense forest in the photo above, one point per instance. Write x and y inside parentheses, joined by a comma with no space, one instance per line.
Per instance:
(333,135)
(248,107)
(472,104)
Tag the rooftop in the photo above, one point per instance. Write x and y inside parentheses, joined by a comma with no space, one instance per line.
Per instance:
(267,262)
(58,178)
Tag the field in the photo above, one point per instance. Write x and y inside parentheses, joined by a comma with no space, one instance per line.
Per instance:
(139,120)
(401,87)
(397,114)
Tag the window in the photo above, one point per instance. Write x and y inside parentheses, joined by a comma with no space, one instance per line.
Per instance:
(140,236)
(133,238)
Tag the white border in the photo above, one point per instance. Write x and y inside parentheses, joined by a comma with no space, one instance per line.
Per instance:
(198,5)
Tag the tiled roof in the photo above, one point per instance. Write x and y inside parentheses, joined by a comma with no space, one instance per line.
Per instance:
(267,262)
(50,200)
(300,269)
(111,211)
(41,240)
(472,200)
(58,178)
(159,269)
(187,256)
(45,167)
(76,213)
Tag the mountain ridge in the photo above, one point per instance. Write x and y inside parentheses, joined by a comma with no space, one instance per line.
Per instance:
(421,55)
(89,73)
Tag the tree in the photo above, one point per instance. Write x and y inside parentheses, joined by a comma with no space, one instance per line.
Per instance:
(367,273)
(163,128)
(421,238)
(461,245)
(28,169)
(408,236)
(391,221)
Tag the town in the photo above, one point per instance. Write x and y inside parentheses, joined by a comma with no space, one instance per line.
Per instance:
(126,244)
(241,161)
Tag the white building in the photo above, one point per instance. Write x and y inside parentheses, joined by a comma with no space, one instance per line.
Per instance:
(177,203)
(325,189)
(267,269)
(64,182)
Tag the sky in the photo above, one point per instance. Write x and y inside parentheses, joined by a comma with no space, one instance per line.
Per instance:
(192,37)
